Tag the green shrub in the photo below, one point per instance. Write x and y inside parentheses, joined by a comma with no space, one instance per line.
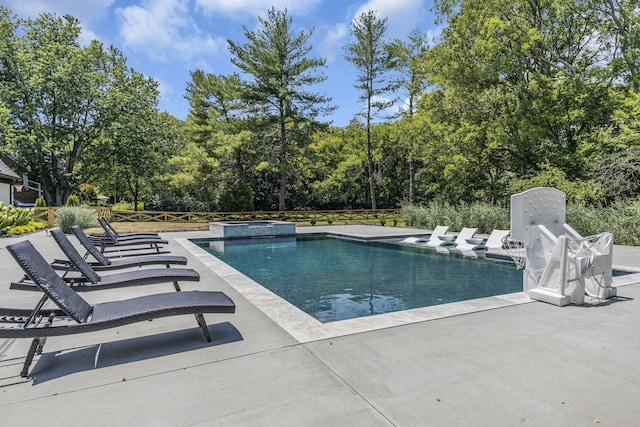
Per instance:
(88,194)
(127,206)
(73,200)
(581,192)
(11,216)
(172,203)
(74,215)
(40,202)
(483,216)
(237,198)
(622,220)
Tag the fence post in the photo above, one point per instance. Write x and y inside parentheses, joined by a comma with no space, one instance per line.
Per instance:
(50,217)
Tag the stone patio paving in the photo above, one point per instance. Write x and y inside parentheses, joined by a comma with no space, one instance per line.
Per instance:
(529,363)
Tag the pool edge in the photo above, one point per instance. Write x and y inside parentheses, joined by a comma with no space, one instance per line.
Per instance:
(304,328)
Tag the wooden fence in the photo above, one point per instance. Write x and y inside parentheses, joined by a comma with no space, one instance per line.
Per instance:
(392,216)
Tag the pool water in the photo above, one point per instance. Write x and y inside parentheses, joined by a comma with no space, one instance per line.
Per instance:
(335,279)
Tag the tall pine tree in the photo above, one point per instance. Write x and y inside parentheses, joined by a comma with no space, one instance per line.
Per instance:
(369,53)
(275,58)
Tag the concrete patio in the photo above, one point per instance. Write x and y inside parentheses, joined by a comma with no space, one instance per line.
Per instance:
(505,362)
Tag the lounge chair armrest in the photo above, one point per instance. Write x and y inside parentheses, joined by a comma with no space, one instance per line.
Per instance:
(62,265)
(74,280)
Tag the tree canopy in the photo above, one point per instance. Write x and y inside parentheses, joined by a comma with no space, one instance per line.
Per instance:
(511,94)
(64,98)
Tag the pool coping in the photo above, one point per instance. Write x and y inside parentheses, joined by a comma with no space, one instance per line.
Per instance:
(304,328)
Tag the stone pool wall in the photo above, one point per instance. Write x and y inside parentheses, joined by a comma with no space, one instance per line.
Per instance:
(251,228)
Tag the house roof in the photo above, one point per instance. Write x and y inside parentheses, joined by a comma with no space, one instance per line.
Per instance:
(7,173)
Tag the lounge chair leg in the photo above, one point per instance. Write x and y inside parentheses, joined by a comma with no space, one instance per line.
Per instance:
(36,346)
(41,345)
(175,285)
(204,326)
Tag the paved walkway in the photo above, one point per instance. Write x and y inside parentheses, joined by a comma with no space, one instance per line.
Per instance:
(523,364)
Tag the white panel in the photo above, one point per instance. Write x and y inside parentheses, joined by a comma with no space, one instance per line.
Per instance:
(5,194)
(537,206)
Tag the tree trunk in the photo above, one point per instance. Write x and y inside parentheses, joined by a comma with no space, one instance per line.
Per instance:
(48,198)
(242,174)
(627,51)
(59,201)
(411,172)
(372,188)
(136,191)
(56,194)
(411,181)
(283,166)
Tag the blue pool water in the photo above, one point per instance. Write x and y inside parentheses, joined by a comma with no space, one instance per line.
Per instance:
(336,279)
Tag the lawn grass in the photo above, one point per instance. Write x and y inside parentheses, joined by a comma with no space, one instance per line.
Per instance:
(159,227)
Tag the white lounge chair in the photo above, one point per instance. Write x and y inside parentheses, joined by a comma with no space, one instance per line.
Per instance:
(437,236)
(415,239)
(465,233)
(493,242)
(444,240)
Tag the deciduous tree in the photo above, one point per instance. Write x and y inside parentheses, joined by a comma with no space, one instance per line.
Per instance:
(133,151)
(58,94)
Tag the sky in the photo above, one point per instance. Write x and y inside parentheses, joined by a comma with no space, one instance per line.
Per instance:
(168,39)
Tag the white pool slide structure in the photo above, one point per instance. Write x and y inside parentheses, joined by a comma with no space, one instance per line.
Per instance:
(560,266)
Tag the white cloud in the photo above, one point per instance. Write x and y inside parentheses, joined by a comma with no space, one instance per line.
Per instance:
(255,7)
(329,46)
(87,36)
(163,29)
(402,15)
(393,109)
(164,88)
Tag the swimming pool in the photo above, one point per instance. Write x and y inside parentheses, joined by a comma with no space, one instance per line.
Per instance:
(334,279)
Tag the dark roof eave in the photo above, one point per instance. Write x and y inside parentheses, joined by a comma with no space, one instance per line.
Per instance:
(7,173)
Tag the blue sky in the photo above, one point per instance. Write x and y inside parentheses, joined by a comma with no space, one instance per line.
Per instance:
(166,39)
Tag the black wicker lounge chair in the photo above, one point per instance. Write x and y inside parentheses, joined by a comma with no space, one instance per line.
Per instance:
(109,233)
(110,240)
(88,279)
(41,323)
(106,225)
(102,263)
